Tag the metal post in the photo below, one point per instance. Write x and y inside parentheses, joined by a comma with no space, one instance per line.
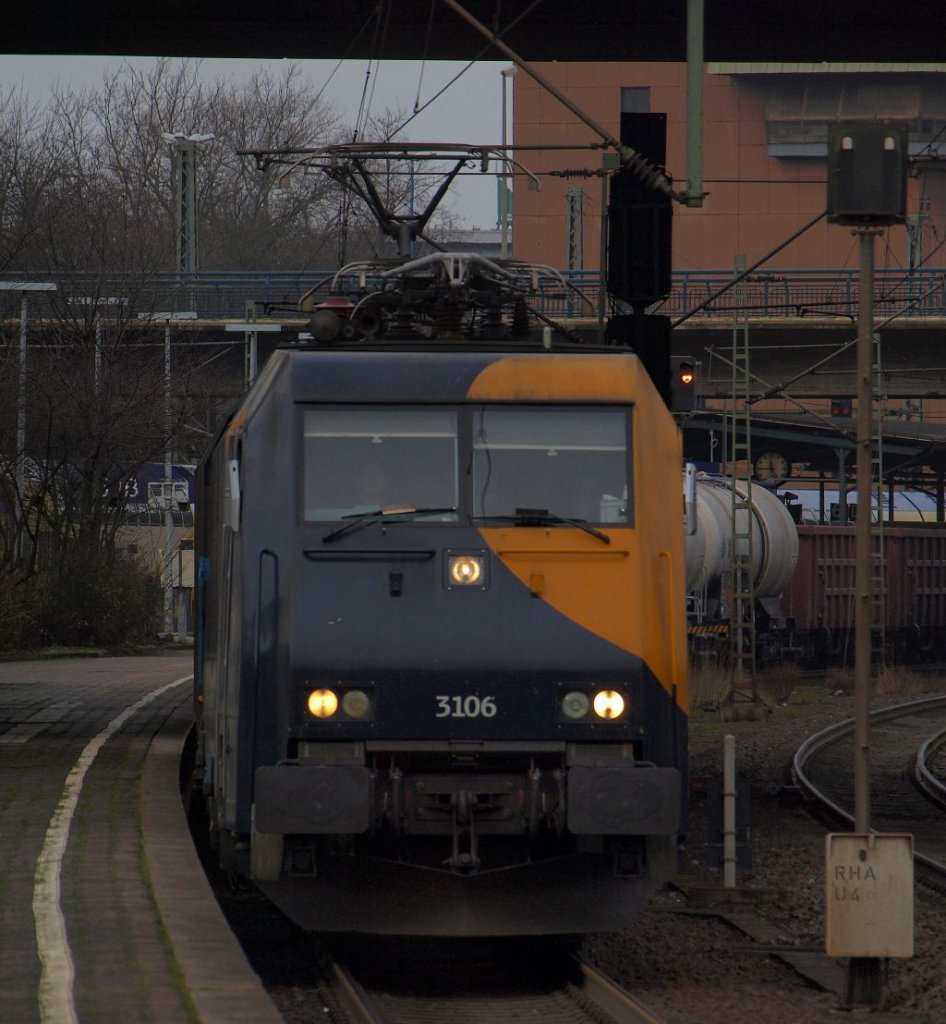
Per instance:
(23,287)
(609,162)
(729,812)
(694,103)
(184,162)
(842,486)
(505,73)
(575,228)
(21,407)
(97,355)
(168,490)
(864,977)
(862,534)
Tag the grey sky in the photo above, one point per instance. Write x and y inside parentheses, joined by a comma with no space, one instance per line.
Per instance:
(469,111)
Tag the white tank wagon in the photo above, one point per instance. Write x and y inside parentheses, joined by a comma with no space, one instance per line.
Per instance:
(772,554)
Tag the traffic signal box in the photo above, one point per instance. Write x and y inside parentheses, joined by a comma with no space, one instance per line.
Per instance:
(639,219)
(842,408)
(682,384)
(867,173)
(648,336)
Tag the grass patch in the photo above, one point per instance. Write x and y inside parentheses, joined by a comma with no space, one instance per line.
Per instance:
(788,686)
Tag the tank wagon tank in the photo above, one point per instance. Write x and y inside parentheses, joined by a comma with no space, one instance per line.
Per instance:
(772,557)
(804,578)
(441,668)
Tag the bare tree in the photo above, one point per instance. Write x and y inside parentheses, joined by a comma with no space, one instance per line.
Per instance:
(87,200)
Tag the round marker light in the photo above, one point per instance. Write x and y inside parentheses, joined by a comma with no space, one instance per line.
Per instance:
(465,569)
(322,703)
(608,704)
(356,704)
(575,704)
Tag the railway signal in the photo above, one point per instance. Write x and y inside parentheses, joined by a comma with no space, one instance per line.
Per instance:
(682,384)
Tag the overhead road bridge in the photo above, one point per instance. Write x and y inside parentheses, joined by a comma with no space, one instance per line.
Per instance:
(802,324)
(596,30)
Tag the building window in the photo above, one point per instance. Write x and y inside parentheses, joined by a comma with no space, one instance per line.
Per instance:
(635,99)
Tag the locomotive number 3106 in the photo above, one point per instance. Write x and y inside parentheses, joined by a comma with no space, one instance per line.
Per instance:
(469,706)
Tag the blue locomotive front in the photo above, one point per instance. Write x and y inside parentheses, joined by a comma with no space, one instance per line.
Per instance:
(441,670)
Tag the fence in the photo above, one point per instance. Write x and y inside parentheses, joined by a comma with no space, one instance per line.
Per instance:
(224,295)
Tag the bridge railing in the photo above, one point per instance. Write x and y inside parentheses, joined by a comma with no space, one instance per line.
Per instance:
(222,295)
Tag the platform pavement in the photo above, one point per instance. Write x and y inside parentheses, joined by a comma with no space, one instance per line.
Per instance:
(142,933)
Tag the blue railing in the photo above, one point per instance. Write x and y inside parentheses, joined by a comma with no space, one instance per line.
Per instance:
(223,295)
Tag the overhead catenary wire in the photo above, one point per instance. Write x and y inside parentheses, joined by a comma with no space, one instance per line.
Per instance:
(631,160)
(482,53)
(745,273)
(423,62)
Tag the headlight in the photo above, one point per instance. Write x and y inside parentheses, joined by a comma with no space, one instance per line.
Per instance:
(322,703)
(575,704)
(608,704)
(356,704)
(465,569)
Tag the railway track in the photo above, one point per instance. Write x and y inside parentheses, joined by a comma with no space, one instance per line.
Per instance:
(929,778)
(522,981)
(905,739)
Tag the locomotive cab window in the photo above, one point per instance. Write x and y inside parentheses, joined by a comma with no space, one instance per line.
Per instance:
(570,462)
(362,460)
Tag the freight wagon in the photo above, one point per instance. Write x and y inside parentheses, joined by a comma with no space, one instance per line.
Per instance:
(908,575)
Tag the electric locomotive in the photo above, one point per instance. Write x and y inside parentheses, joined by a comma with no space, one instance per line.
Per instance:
(441,654)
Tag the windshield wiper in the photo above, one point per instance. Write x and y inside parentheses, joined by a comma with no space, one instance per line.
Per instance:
(359,519)
(542,517)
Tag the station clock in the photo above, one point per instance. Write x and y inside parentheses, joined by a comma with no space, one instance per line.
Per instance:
(771,468)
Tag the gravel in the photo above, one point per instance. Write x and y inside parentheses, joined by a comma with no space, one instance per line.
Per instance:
(691,966)
(698,969)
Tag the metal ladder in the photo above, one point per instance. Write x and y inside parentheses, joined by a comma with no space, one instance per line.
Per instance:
(742,633)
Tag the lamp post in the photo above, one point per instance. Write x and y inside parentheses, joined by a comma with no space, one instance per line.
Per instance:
(167,489)
(505,73)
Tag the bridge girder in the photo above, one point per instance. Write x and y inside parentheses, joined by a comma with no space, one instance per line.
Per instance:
(634,30)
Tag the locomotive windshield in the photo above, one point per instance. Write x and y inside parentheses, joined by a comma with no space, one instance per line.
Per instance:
(571,462)
(360,460)
(482,461)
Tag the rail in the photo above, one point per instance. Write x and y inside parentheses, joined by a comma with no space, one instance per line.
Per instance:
(820,741)
(217,294)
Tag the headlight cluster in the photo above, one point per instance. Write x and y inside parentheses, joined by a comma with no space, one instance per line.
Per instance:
(324,703)
(465,569)
(594,705)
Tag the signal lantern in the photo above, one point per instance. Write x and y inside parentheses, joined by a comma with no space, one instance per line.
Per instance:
(682,384)
(842,408)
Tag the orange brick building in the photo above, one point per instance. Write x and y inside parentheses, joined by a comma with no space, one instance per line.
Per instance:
(764,158)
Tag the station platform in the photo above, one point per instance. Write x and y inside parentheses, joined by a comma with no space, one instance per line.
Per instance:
(105,911)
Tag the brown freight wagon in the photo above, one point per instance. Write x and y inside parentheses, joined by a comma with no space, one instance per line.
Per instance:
(908,574)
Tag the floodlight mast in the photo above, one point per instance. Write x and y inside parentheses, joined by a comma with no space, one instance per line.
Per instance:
(184,150)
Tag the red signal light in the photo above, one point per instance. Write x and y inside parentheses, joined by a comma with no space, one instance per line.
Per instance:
(682,384)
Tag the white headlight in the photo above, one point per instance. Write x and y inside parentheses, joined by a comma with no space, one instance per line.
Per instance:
(356,704)
(465,569)
(575,704)
(608,704)
(322,703)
